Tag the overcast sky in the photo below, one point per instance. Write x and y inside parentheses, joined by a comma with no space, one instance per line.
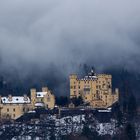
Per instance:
(35,34)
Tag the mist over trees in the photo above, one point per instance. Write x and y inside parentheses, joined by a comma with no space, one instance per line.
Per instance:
(46,41)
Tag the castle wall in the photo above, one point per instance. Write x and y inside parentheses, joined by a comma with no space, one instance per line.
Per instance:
(95,89)
(12,107)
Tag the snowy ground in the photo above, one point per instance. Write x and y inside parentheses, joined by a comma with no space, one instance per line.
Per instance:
(51,125)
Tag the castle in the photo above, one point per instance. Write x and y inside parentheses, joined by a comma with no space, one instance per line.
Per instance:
(95,89)
(12,107)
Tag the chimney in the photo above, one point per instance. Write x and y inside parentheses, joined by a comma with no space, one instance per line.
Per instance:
(10,97)
(25,97)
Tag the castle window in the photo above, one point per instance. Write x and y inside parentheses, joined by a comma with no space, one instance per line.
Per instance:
(74,92)
(7,116)
(48,99)
(7,109)
(79,87)
(14,109)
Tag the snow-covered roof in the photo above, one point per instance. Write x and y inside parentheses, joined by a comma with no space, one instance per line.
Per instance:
(33,111)
(39,104)
(90,77)
(15,100)
(41,94)
(105,110)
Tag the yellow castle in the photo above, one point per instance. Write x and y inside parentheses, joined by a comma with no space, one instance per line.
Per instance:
(12,107)
(95,89)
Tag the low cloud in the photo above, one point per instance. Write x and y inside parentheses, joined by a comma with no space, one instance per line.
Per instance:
(40,36)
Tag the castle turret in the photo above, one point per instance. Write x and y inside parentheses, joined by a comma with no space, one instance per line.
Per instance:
(92,73)
(73,80)
(33,96)
(44,89)
(73,76)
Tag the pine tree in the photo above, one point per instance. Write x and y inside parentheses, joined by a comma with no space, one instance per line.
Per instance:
(130,132)
(132,106)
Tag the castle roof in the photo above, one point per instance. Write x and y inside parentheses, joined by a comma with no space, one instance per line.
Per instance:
(39,104)
(41,94)
(90,77)
(15,100)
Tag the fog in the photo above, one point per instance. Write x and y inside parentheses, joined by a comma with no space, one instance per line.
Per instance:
(49,39)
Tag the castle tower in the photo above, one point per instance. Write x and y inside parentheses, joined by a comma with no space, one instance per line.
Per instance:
(33,96)
(73,80)
(44,89)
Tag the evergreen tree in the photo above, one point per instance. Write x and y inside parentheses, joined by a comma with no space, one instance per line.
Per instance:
(132,106)
(130,132)
(62,101)
(91,135)
(118,114)
(77,101)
